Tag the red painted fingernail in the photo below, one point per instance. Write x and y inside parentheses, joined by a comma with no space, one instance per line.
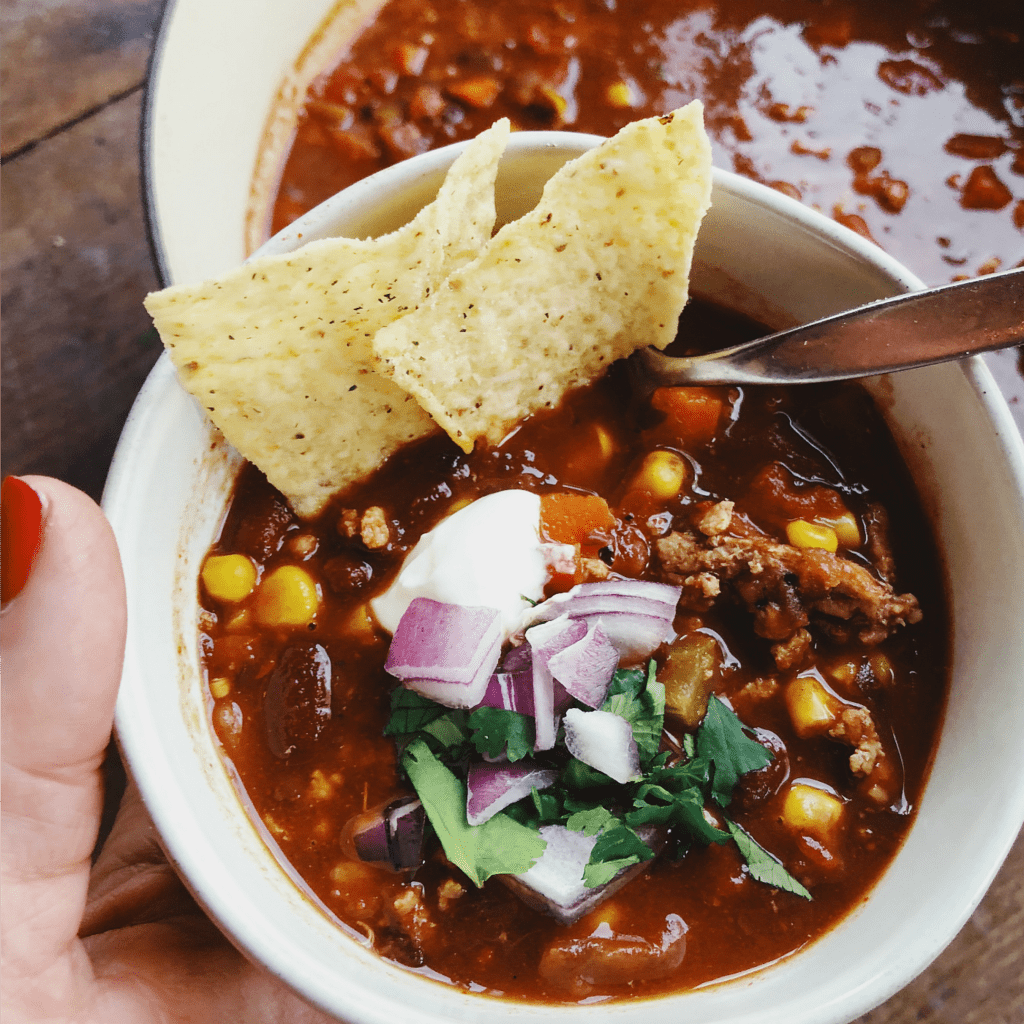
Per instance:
(21,531)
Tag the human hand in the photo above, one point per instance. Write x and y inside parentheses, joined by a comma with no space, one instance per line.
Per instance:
(123,941)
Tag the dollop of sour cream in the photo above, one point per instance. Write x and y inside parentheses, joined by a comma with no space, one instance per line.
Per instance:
(487,554)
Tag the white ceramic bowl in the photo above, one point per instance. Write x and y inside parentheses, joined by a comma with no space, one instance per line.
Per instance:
(765,255)
(219,69)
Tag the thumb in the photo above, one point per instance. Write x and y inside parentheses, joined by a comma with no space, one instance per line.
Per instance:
(62,632)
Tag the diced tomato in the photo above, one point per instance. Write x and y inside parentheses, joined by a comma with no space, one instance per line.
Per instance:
(694,412)
(775,490)
(570,518)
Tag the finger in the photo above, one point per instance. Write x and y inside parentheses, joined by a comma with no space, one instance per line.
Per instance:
(63,638)
(132,883)
(184,970)
(154,953)
(63,642)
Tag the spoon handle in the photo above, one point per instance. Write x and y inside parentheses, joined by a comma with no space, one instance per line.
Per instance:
(913,329)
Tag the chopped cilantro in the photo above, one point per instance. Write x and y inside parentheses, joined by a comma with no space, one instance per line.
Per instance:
(695,772)
(652,805)
(541,807)
(498,731)
(449,731)
(591,820)
(764,866)
(629,681)
(602,872)
(639,698)
(617,847)
(547,805)
(577,775)
(499,846)
(682,804)
(410,712)
(524,812)
(722,739)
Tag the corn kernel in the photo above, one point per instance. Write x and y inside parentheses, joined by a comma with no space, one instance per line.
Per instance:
(361,623)
(229,577)
(809,810)
(846,528)
(802,534)
(662,474)
(620,94)
(287,597)
(812,709)
(220,687)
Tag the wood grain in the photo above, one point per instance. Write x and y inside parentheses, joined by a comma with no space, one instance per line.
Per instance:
(76,266)
(61,59)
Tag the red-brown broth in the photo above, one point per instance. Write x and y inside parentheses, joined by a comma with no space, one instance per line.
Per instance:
(903,121)
(487,940)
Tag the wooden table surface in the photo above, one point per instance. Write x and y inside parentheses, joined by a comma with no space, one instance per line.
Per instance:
(77,345)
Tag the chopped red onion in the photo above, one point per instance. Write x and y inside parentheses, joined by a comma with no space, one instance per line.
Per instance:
(634,637)
(492,787)
(554,885)
(636,615)
(546,640)
(405,819)
(512,688)
(586,667)
(518,659)
(606,590)
(604,741)
(446,652)
(512,691)
(371,841)
(391,836)
(562,699)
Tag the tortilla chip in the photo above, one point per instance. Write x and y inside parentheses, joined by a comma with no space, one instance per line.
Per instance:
(600,268)
(279,352)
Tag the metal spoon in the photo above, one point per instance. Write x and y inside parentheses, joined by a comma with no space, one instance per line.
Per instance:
(915,329)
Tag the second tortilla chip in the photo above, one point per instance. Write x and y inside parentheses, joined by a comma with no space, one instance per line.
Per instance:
(598,269)
(279,353)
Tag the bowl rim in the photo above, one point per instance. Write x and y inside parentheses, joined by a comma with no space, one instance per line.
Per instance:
(263,949)
(147,156)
